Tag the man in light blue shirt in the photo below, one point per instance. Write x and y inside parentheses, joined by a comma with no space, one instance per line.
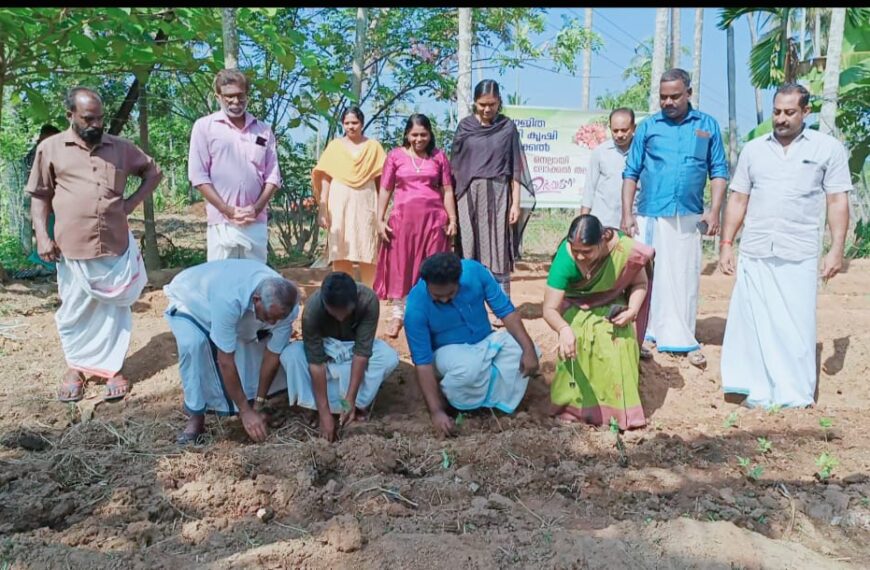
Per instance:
(231,319)
(450,335)
(672,155)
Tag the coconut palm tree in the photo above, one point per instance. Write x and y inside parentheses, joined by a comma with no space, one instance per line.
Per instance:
(463,86)
(696,57)
(658,63)
(587,60)
(832,71)
(773,60)
(231,38)
(753,37)
(359,52)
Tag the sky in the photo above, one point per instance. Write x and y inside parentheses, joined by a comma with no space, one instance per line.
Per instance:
(621,30)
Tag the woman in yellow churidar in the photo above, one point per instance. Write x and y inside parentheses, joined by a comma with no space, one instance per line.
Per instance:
(345,182)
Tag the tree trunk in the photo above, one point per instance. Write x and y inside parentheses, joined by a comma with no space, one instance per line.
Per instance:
(696,59)
(753,37)
(587,60)
(817,33)
(463,85)
(660,40)
(784,45)
(732,101)
(123,114)
(151,255)
(3,276)
(359,53)
(828,115)
(676,43)
(803,52)
(231,38)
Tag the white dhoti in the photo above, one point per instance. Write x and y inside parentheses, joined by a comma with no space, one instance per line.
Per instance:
(674,303)
(95,319)
(201,379)
(300,392)
(769,350)
(229,241)
(483,375)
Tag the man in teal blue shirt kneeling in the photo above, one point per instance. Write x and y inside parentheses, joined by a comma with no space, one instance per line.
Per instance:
(449,334)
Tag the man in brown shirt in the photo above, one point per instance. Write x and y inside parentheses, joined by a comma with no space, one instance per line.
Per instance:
(339,366)
(80,176)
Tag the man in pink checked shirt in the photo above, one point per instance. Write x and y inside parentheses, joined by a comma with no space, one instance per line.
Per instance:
(234,163)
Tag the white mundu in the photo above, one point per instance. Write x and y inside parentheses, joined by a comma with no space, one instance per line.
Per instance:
(383,361)
(483,375)
(95,319)
(674,302)
(210,308)
(769,350)
(229,241)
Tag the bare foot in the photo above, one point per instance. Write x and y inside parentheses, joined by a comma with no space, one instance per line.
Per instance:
(393,328)
(567,418)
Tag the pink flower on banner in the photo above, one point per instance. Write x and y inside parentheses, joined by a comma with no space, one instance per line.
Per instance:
(590,135)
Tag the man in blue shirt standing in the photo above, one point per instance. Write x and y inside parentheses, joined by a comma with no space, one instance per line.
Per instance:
(450,335)
(672,154)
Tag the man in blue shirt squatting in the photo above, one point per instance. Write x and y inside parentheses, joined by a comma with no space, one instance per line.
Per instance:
(672,154)
(450,336)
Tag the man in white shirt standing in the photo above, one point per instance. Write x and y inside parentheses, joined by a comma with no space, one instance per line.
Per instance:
(602,196)
(782,182)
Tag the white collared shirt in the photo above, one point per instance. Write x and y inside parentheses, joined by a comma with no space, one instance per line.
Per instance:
(218,295)
(603,190)
(787,192)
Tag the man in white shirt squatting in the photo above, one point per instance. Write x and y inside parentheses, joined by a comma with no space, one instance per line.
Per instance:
(231,320)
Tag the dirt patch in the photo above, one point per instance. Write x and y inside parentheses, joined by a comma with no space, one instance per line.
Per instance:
(104,485)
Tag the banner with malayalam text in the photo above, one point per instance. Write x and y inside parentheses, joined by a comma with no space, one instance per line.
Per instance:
(558,144)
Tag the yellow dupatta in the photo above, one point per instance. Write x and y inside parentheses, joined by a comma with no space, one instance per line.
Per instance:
(337,162)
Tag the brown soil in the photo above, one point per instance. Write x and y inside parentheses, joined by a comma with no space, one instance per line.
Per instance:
(104,486)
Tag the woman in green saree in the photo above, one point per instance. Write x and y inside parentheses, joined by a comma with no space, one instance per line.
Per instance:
(598,285)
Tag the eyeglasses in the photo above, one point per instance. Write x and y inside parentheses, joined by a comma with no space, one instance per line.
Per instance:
(241,97)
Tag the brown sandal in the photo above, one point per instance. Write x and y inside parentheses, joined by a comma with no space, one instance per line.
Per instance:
(71,390)
(114,384)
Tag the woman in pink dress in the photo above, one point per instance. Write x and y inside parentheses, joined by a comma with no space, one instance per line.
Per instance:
(423,219)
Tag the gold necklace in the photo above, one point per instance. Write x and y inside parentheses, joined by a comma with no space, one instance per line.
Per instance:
(417,168)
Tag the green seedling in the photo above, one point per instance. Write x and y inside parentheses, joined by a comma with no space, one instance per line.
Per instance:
(614,425)
(826,463)
(764,445)
(752,472)
(622,461)
(774,409)
(345,405)
(825,424)
(460,419)
(446,460)
(731,420)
